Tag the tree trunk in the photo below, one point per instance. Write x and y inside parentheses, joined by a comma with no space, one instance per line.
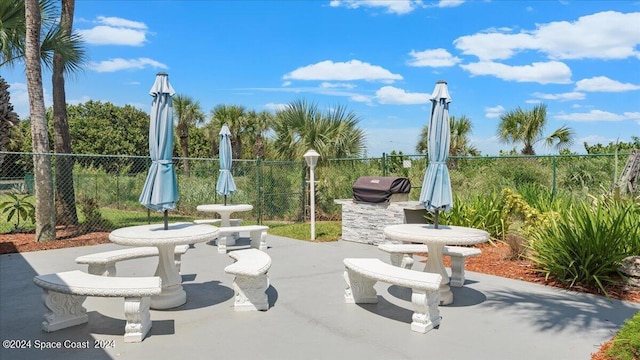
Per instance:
(184,145)
(45,209)
(65,196)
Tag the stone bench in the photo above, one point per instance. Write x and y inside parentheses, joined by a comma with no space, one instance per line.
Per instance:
(251,281)
(258,234)
(218,222)
(104,263)
(402,255)
(65,292)
(362,274)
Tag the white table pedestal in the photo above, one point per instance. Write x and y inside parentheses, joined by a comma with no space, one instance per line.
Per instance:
(436,239)
(172,294)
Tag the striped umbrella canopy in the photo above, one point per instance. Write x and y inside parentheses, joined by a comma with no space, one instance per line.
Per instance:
(160,190)
(226,185)
(436,195)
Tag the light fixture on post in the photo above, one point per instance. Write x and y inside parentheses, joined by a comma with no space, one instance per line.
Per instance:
(311,157)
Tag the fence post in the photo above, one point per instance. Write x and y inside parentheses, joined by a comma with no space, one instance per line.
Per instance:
(260,190)
(384,164)
(553,189)
(304,191)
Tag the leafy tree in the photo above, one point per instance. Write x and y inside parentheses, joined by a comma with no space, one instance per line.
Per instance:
(235,118)
(188,113)
(612,147)
(460,129)
(526,127)
(258,123)
(302,126)
(8,118)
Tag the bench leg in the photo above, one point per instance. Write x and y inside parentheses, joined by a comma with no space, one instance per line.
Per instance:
(259,239)
(177,259)
(359,289)
(251,293)
(102,269)
(402,260)
(457,271)
(136,311)
(222,244)
(426,314)
(64,311)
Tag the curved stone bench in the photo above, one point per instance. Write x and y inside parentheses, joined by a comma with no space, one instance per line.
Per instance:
(218,222)
(362,274)
(65,292)
(104,263)
(258,234)
(251,281)
(402,255)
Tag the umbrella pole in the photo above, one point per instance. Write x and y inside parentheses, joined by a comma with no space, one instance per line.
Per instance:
(166,220)
(225,200)
(435,220)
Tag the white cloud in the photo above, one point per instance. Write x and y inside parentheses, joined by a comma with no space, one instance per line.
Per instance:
(604,84)
(125,64)
(19,97)
(494,45)
(552,72)
(493,112)
(328,85)
(83,99)
(286,83)
(119,22)
(275,107)
(604,35)
(115,31)
(361,98)
(450,3)
(569,96)
(393,95)
(433,58)
(598,115)
(392,6)
(342,71)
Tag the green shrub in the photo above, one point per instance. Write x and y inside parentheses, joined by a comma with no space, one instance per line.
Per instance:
(476,211)
(585,243)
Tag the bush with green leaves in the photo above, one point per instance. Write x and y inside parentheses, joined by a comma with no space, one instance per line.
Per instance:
(477,211)
(585,243)
(19,207)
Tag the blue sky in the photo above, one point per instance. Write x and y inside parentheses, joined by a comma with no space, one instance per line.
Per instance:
(379,58)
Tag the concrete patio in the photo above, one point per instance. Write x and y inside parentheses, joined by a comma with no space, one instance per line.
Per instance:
(491,317)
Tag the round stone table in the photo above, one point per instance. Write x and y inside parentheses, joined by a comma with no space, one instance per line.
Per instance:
(436,239)
(225,212)
(172,294)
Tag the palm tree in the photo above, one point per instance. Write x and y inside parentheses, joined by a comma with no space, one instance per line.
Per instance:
(45,209)
(61,51)
(257,124)
(460,129)
(189,113)
(62,63)
(235,118)
(526,127)
(302,126)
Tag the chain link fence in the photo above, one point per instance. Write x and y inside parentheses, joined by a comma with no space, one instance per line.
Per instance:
(101,192)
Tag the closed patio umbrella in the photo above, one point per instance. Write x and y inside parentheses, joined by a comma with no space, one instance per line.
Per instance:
(435,195)
(226,185)
(160,191)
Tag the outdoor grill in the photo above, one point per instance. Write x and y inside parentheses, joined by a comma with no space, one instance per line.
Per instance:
(379,189)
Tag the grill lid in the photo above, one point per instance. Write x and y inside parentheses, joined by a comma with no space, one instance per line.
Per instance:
(378,189)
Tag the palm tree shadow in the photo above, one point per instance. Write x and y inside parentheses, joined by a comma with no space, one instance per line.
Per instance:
(558,312)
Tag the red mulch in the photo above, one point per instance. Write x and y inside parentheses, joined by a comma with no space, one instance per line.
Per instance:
(494,260)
